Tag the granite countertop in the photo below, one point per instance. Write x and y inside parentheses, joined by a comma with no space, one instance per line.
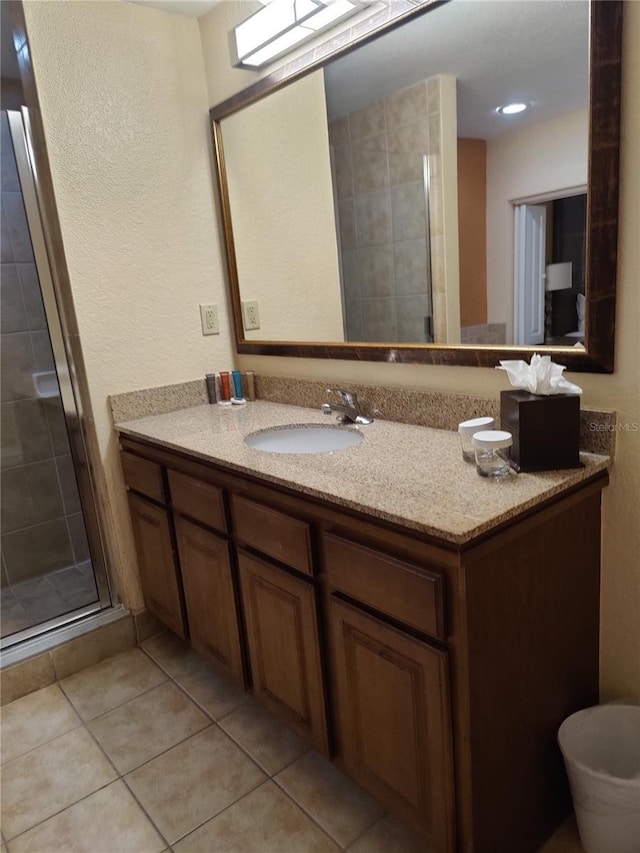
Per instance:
(411,475)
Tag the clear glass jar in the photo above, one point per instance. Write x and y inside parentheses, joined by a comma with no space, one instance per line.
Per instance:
(493,453)
(466,431)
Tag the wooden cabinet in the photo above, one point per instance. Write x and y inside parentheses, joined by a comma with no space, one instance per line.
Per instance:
(436,676)
(210,596)
(284,648)
(156,562)
(393,718)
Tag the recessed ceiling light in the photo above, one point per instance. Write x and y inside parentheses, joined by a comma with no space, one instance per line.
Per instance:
(512,109)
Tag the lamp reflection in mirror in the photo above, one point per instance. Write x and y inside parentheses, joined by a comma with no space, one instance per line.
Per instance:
(282,25)
(559,276)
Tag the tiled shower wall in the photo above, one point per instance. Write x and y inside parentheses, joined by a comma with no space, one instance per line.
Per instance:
(378,156)
(42,524)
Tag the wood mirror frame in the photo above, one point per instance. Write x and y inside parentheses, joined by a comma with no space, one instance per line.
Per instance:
(602,206)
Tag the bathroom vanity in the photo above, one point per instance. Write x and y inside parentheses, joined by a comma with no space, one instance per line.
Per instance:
(423,628)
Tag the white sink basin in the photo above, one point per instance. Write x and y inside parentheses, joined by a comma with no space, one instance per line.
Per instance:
(304,438)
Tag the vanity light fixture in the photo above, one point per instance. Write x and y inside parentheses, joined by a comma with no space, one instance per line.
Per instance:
(512,109)
(282,25)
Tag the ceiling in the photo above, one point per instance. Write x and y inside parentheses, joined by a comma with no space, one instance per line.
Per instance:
(189,8)
(534,51)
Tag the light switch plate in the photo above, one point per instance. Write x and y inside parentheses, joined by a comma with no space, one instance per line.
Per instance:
(209,319)
(250,315)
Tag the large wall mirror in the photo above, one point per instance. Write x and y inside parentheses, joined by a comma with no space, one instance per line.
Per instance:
(378,206)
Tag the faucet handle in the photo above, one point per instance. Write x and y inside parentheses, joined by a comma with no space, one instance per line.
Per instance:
(349,406)
(348,397)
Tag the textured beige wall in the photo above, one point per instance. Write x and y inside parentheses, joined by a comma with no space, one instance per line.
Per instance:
(124,103)
(620,633)
(472,230)
(538,159)
(284,238)
(446,173)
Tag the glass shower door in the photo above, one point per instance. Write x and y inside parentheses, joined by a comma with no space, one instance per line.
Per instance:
(50,574)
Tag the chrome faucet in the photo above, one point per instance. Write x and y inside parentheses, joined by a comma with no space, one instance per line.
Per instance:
(349,407)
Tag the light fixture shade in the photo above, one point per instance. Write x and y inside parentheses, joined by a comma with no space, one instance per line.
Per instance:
(559,276)
(281,25)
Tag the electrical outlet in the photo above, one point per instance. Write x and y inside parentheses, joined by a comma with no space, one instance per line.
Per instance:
(209,319)
(250,315)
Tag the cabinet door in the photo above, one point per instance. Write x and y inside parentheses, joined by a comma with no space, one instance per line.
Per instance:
(210,596)
(156,562)
(393,719)
(282,636)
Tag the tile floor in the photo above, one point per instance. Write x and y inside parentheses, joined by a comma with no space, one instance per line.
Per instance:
(151,751)
(39,599)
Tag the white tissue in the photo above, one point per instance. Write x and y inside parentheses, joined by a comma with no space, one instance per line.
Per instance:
(542,376)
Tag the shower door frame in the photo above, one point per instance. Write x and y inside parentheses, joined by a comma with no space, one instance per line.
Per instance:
(70,395)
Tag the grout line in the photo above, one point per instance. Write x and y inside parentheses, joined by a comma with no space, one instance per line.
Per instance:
(192,698)
(223,732)
(181,688)
(46,742)
(122,776)
(122,779)
(115,707)
(217,814)
(164,751)
(315,820)
(267,772)
(270,777)
(144,811)
(46,521)
(60,811)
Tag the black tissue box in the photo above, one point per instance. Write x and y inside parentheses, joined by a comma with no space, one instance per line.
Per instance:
(546,430)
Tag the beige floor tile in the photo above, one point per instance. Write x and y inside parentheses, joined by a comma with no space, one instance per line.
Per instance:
(565,839)
(111,683)
(194,781)
(389,835)
(109,820)
(210,690)
(265,738)
(35,719)
(146,726)
(340,806)
(46,780)
(265,821)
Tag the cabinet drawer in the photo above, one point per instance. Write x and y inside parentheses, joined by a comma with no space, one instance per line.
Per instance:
(405,592)
(200,501)
(274,533)
(143,476)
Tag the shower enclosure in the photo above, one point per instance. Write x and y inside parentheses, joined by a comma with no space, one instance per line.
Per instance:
(380,157)
(53,570)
